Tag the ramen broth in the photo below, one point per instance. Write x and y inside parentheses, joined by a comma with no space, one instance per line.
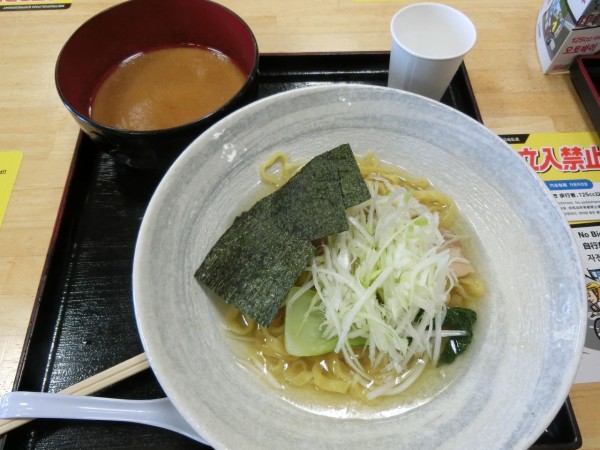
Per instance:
(165,88)
(263,348)
(250,348)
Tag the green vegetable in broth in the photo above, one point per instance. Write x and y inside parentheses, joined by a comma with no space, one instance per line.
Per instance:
(304,326)
(461,319)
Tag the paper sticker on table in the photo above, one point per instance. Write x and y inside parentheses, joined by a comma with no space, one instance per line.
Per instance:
(588,242)
(9,167)
(569,164)
(20,5)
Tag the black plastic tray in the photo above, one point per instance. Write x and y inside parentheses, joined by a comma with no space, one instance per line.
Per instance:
(585,76)
(83,320)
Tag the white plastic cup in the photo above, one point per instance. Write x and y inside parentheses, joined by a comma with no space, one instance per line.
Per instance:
(429,42)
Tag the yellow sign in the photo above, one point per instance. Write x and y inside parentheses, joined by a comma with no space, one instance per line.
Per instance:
(9,167)
(569,165)
(21,5)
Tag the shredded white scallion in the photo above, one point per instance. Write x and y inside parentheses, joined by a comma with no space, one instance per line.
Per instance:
(386,280)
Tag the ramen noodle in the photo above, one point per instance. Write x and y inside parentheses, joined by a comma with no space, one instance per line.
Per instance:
(364,373)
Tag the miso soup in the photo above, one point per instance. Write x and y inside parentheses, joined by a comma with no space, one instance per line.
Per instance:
(165,88)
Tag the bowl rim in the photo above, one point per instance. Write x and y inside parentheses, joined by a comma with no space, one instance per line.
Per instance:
(182,161)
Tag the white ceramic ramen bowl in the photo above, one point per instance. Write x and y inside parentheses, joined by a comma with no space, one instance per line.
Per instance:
(528,339)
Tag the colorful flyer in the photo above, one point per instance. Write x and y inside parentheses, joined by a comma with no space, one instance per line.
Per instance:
(569,164)
(23,5)
(9,167)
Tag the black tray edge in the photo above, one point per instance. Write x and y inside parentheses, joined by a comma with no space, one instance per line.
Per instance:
(58,235)
(583,81)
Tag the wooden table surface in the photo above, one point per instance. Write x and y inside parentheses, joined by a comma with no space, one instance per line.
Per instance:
(512,93)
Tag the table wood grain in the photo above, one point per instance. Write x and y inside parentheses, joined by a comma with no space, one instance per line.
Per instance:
(513,96)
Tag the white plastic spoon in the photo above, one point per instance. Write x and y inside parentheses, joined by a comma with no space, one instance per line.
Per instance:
(37,405)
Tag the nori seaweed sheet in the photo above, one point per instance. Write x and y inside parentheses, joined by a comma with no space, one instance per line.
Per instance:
(354,189)
(258,259)
(313,203)
(254,264)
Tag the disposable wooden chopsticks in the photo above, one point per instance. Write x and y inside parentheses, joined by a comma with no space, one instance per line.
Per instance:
(92,384)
